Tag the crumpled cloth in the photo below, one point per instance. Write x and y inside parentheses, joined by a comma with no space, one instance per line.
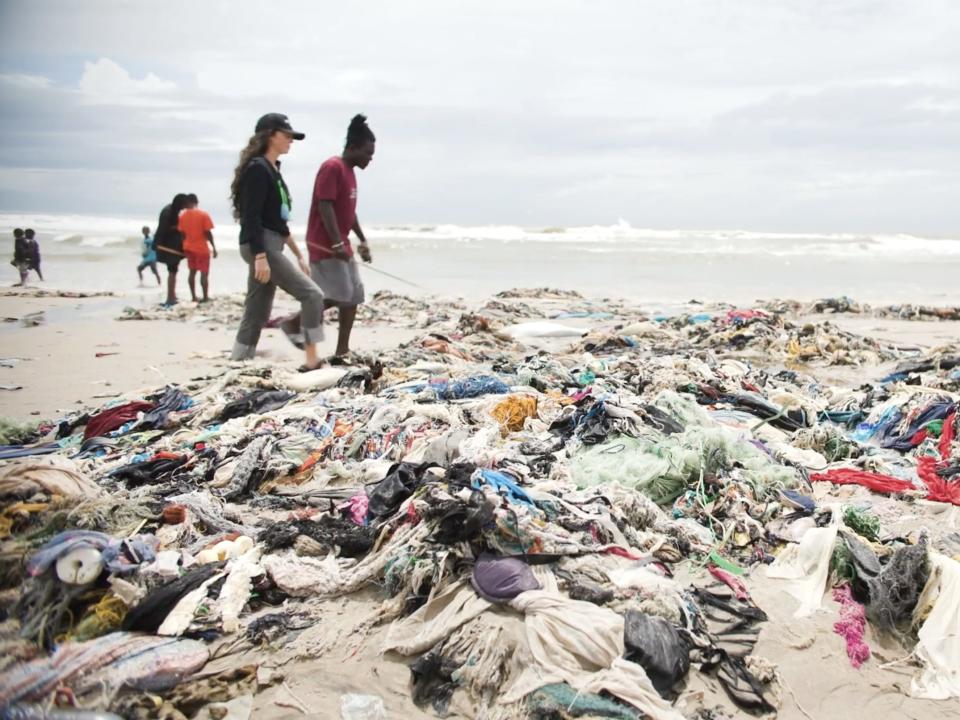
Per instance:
(115,417)
(938,640)
(116,554)
(443,615)
(581,644)
(807,565)
(117,660)
(56,476)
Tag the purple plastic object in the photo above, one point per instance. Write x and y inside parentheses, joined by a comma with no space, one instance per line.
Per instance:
(498,579)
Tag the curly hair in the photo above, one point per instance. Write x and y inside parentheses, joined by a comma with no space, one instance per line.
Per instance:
(256,146)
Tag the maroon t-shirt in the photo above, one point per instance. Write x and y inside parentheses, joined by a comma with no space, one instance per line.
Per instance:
(337,182)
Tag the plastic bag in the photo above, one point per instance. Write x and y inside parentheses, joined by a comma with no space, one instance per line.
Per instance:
(655,645)
(362,707)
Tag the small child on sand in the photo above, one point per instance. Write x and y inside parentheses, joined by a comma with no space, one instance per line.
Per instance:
(149,256)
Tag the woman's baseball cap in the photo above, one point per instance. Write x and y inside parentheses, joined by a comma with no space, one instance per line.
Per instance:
(278,121)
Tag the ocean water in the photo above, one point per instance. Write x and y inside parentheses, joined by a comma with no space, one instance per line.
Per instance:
(651,266)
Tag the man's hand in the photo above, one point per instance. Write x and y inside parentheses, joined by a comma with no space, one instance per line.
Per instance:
(304,265)
(339,252)
(364,251)
(214,252)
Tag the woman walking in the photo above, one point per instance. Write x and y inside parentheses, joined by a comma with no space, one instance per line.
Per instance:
(261,202)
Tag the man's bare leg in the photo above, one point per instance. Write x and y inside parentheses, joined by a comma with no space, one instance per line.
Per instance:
(347,315)
(191,281)
(171,288)
(205,285)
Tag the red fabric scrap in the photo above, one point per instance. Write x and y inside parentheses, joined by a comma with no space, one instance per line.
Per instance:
(622,552)
(939,488)
(165,455)
(735,316)
(947,434)
(112,418)
(918,437)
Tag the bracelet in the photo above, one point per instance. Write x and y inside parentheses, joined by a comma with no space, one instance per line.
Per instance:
(338,245)
(260,256)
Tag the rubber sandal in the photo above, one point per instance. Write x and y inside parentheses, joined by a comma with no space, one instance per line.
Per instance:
(306,368)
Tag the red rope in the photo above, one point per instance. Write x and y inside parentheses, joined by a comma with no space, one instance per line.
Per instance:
(876,482)
(938,488)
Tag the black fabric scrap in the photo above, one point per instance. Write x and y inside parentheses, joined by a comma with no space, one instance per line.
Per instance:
(352,539)
(589,592)
(256,401)
(153,609)
(660,420)
(172,400)
(433,681)
(457,521)
(401,481)
(149,471)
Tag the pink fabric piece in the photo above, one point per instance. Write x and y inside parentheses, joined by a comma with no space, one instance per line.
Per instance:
(851,626)
(358,507)
(731,581)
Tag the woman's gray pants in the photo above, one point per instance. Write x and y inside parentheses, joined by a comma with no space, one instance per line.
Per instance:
(259,301)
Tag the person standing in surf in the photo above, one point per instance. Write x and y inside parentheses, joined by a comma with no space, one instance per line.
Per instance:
(148,256)
(261,202)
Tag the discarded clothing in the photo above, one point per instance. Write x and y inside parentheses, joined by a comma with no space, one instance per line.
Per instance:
(257,401)
(56,476)
(938,643)
(172,400)
(470,388)
(118,556)
(114,418)
(114,661)
(401,480)
(158,468)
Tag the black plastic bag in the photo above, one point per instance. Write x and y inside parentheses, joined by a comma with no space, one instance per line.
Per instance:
(656,645)
(400,483)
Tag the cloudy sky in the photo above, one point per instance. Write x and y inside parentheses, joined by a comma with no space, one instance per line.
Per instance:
(785,115)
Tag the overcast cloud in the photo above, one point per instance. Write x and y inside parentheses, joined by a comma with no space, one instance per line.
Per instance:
(786,115)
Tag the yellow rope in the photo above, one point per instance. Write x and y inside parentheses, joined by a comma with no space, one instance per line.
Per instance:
(103,617)
(512,412)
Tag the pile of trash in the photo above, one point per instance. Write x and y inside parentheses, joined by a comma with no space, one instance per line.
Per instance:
(35,292)
(382,307)
(844,304)
(559,532)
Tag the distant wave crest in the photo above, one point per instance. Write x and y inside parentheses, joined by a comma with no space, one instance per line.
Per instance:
(621,237)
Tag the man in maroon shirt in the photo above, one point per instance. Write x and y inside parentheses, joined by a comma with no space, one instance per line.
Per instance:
(333,214)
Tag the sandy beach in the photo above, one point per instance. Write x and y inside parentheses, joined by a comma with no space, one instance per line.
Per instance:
(81,356)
